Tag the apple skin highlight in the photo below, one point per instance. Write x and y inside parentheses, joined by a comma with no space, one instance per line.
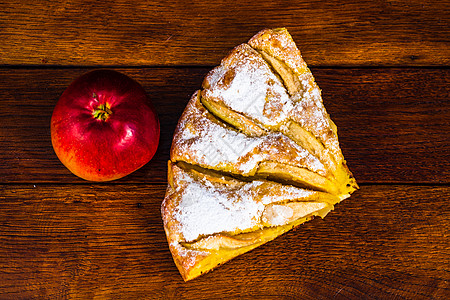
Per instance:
(104,126)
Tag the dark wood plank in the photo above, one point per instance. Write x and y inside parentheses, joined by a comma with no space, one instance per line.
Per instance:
(329,33)
(393,123)
(107,241)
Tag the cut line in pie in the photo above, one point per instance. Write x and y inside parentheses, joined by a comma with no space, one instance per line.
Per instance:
(254,155)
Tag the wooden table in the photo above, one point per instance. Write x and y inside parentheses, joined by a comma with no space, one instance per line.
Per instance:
(383,69)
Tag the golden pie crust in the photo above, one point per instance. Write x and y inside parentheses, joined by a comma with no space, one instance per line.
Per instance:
(254,155)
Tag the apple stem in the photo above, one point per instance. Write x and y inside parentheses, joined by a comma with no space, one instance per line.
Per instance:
(102,112)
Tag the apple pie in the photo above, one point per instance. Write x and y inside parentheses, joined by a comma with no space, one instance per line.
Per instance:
(254,155)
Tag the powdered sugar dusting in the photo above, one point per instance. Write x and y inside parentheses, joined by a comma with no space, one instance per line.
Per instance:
(261,96)
(210,144)
(285,193)
(206,208)
(188,134)
(253,89)
(309,110)
(310,113)
(189,255)
(213,145)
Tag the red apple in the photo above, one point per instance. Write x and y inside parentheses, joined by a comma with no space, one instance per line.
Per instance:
(104,126)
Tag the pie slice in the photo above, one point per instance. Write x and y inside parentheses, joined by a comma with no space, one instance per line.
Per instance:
(254,154)
(211,218)
(201,139)
(267,84)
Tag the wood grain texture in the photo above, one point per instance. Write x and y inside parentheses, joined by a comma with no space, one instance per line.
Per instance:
(107,241)
(126,32)
(393,123)
(65,238)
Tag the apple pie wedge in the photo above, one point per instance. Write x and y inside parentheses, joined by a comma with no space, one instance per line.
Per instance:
(210,218)
(254,154)
(267,84)
(201,139)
